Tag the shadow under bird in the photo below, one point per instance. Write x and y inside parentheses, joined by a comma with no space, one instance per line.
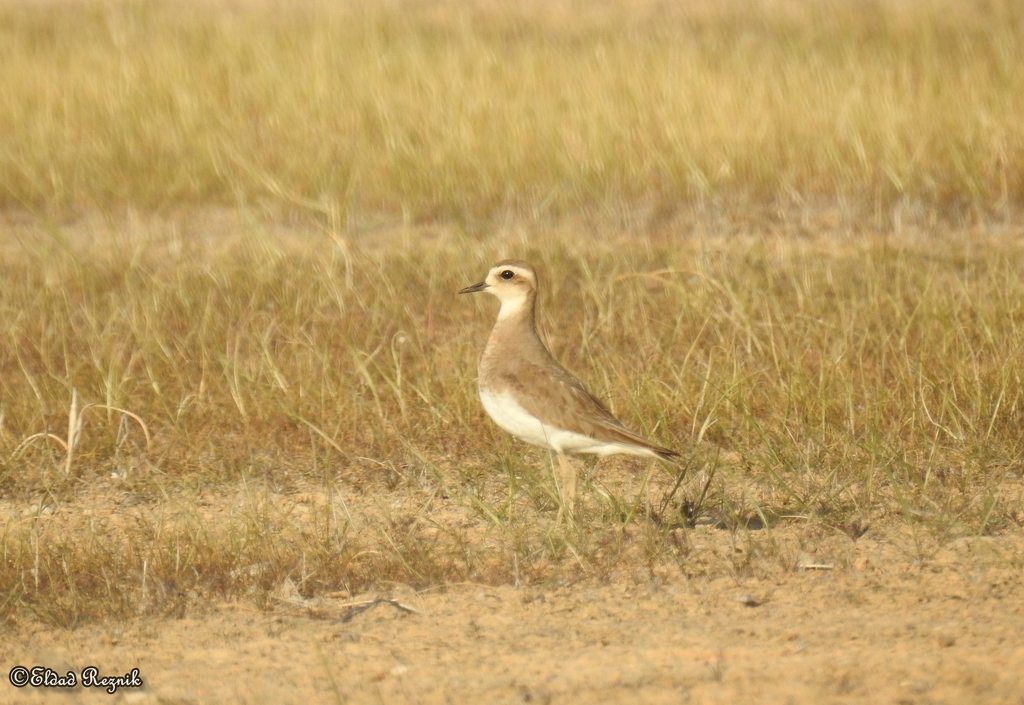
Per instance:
(527,393)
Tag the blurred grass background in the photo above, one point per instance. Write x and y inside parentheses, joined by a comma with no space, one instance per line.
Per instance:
(467,110)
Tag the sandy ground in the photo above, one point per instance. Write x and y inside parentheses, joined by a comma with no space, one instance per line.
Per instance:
(876,626)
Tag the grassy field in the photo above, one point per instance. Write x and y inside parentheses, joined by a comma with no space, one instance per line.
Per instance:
(782,241)
(467,110)
(841,382)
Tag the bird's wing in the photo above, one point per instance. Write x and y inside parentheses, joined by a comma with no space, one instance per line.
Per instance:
(555,395)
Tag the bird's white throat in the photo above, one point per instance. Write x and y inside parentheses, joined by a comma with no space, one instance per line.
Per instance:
(512,302)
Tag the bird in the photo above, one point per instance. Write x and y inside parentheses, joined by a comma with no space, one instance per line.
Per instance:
(528,393)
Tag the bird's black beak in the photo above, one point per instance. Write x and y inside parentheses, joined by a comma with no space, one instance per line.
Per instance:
(475,288)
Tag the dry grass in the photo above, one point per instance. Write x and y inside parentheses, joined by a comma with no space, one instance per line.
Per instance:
(464,110)
(312,404)
(280,395)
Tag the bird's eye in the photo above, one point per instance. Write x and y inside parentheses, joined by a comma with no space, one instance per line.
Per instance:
(507,274)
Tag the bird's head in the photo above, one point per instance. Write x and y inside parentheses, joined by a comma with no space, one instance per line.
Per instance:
(513,281)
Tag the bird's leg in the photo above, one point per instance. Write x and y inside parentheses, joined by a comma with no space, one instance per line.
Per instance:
(567,480)
(652,466)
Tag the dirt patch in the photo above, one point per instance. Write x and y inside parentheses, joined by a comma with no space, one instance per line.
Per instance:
(872,625)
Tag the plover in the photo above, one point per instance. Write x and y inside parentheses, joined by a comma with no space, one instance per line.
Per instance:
(527,393)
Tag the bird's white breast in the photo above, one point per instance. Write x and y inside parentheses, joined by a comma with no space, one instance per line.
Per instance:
(511,416)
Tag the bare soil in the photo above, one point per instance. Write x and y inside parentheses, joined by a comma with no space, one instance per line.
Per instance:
(873,620)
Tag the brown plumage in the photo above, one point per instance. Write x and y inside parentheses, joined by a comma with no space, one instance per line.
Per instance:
(519,379)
